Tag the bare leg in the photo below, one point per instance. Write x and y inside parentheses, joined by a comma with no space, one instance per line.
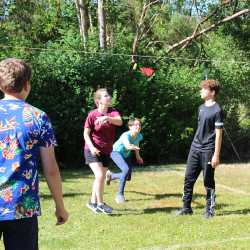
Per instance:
(98,185)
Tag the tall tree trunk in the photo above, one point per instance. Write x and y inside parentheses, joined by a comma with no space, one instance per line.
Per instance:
(109,36)
(91,26)
(102,24)
(82,15)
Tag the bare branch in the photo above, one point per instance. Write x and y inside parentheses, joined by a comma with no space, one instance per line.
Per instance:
(151,3)
(152,43)
(203,21)
(140,34)
(215,25)
(152,21)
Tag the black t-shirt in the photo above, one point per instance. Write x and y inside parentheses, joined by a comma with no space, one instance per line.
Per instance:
(209,118)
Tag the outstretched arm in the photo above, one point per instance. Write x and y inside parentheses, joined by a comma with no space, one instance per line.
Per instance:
(128,145)
(53,179)
(116,120)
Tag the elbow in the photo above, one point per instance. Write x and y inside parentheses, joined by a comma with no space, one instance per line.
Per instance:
(119,123)
(85,135)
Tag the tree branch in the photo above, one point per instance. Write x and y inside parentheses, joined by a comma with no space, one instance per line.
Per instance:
(139,32)
(202,21)
(215,25)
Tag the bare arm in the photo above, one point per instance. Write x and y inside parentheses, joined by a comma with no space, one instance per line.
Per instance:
(138,157)
(218,141)
(86,135)
(53,179)
(116,120)
(128,145)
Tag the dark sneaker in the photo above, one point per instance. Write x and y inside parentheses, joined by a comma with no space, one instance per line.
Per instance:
(108,177)
(209,214)
(184,211)
(119,198)
(104,208)
(92,207)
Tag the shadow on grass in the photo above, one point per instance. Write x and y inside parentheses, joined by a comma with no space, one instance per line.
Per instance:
(160,210)
(163,196)
(173,210)
(68,174)
(245,211)
(126,211)
(48,196)
(159,168)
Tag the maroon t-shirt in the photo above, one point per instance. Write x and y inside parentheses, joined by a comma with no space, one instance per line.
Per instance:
(102,136)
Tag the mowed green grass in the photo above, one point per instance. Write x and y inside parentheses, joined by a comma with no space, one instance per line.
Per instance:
(147,220)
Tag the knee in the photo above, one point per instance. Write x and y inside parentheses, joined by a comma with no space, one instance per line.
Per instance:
(189,179)
(100,176)
(125,173)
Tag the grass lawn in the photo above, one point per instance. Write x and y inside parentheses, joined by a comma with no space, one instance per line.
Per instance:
(147,220)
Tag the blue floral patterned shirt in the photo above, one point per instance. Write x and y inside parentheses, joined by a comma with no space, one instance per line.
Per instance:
(23,129)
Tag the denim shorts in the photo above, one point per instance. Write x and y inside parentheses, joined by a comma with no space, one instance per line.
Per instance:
(90,158)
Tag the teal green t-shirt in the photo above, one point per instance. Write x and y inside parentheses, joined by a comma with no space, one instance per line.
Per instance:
(120,147)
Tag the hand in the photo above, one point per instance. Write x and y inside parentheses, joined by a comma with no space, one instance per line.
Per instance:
(140,160)
(135,148)
(100,120)
(215,161)
(95,151)
(62,216)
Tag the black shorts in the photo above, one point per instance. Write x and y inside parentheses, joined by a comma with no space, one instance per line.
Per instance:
(20,234)
(103,158)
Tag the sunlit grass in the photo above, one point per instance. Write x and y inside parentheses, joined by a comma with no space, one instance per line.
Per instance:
(147,220)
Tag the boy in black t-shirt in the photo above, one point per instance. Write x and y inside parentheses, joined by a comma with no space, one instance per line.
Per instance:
(205,149)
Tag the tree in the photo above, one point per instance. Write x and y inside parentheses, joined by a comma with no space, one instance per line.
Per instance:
(82,14)
(102,24)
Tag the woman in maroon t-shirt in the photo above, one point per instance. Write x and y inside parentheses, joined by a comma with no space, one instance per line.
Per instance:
(99,135)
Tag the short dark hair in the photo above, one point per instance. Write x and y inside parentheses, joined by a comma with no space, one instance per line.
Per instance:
(212,85)
(13,75)
(132,120)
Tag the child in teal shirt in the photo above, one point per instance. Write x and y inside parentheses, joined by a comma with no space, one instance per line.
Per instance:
(121,155)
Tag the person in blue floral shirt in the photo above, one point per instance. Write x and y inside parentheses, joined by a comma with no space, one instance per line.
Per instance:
(25,135)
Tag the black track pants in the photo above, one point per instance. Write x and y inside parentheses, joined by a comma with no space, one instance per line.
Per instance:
(197,161)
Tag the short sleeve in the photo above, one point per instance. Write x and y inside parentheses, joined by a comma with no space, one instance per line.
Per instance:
(89,122)
(47,136)
(219,120)
(140,137)
(125,136)
(114,113)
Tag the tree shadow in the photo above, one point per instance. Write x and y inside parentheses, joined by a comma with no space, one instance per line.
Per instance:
(158,168)
(126,211)
(68,176)
(173,210)
(164,195)
(49,196)
(160,210)
(245,211)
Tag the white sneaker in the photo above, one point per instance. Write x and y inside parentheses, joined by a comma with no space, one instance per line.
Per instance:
(92,207)
(104,208)
(108,177)
(119,198)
